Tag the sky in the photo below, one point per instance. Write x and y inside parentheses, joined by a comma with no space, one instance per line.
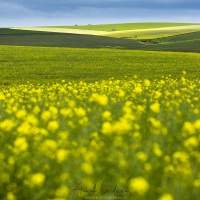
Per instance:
(16,13)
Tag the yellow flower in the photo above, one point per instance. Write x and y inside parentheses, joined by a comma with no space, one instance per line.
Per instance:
(20,144)
(46,115)
(53,126)
(7,125)
(121,93)
(138,89)
(155,107)
(197,124)
(147,82)
(2,96)
(188,127)
(83,121)
(155,123)
(62,192)
(169,169)
(191,142)
(67,112)
(140,108)
(33,120)
(61,155)
(80,112)
(87,168)
(180,157)
(10,196)
(177,93)
(49,145)
(162,82)
(54,111)
(166,196)
(106,128)
(106,114)
(36,109)
(141,156)
(184,72)
(156,149)
(157,95)
(138,185)
(37,179)
(71,103)
(63,135)
(100,99)
(24,128)
(21,114)
(121,126)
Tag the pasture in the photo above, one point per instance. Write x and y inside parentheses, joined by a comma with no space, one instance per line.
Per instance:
(178,37)
(100,116)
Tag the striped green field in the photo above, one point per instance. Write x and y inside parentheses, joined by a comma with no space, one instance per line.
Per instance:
(183,42)
(182,37)
(155,33)
(124,26)
(52,39)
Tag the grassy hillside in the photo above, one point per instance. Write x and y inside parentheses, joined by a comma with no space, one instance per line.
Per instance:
(124,26)
(39,38)
(183,42)
(39,64)
(155,33)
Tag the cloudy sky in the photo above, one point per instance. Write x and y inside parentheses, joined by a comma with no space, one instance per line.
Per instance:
(70,12)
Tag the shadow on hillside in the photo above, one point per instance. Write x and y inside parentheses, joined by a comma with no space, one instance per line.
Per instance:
(187,42)
(49,39)
(181,43)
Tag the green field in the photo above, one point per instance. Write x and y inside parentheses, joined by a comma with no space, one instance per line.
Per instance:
(125,26)
(36,38)
(100,116)
(143,36)
(155,33)
(46,64)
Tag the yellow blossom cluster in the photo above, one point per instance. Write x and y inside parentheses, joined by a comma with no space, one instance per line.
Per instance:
(130,138)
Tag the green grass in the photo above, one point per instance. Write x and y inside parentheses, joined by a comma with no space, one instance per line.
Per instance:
(154,33)
(39,38)
(124,26)
(182,42)
(8,32)
(40,64)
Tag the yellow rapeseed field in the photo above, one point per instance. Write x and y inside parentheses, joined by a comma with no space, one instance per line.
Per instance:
(112,139)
